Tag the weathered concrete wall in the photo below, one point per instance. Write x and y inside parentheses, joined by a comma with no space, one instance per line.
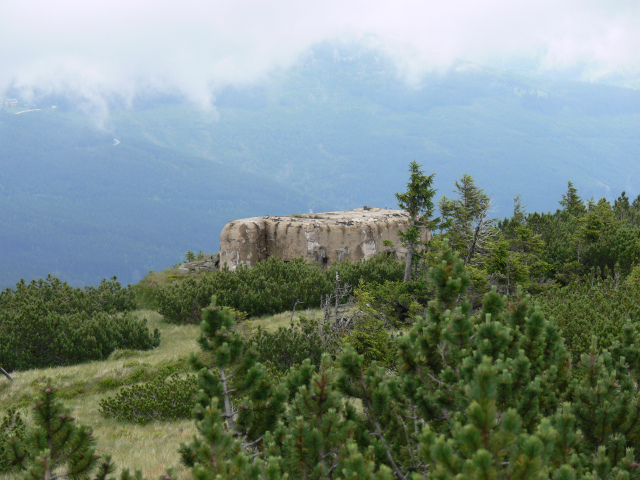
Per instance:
(324,237)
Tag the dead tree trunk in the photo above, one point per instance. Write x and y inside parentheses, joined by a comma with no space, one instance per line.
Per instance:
(337,306)
(6,374)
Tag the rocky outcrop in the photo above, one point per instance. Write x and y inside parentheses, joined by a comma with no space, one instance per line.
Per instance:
(208,263)
(324,238)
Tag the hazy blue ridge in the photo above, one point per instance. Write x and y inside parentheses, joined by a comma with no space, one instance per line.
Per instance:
(75,205)
(336,131)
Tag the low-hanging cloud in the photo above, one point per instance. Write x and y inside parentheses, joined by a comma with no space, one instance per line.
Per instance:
(99,49)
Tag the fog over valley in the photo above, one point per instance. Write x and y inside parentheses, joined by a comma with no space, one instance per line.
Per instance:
(138,130)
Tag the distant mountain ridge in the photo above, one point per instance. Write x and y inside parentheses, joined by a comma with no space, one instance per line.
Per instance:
(74,204)
(336,131)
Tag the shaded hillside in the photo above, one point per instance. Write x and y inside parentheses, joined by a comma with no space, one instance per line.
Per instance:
(74,204)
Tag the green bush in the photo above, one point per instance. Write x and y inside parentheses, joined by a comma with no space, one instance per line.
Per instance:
(48,323)
(55,446)
(290,346)
(371,339)
(376,270)
(12,425)
(268,288)
(597,307)
(35,339)
(53,295)
(397,302)
(159,399)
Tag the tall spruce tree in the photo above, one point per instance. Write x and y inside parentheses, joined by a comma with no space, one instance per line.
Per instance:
(465,220)
(417,201)
(244,396)
(571,202)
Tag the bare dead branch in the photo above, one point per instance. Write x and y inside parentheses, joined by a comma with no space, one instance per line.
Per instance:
(3,371)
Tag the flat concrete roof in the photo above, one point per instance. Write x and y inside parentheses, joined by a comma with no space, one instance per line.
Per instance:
(357,215)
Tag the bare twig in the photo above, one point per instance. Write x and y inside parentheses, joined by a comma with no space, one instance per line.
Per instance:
(435,379)
(338,306)
(298,302)
(229,414)
(443,349)
(255,442)
(406,436)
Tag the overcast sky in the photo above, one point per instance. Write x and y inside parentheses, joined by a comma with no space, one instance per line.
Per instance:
(97,49)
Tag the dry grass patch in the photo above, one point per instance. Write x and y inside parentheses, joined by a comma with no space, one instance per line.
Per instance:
(271,323)
(152,447)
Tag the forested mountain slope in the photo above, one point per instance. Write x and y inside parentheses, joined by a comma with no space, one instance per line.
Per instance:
(74,204)
(335,131)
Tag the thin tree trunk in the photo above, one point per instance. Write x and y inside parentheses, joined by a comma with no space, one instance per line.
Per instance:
(228,412)
(472,247)
(409,261)
(3,371)
(335,316)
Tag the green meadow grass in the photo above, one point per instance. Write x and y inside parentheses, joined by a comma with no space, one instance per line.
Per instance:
(152,447)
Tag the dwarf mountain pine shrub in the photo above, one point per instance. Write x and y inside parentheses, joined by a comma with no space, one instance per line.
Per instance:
(270,287)
(11,426)
(47,323)
(160,399)
(37,339)
(596,306)
(292,345)
(56,446)
(491,395)
(52,294)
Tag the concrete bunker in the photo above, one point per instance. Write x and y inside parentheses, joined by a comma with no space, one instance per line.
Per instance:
(323,238)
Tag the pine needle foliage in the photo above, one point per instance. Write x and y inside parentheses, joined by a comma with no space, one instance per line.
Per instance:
(248,402)
(269,287)
(55,295)
(216,452)
(160,399)
(489,394)
(311,439)
(56,446)
(12,426)
(596,306)
(290,346)
(417,201)
(48,323)
(485,443)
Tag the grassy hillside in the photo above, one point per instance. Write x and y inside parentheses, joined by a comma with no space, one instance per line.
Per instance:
(506,366)
(151,447)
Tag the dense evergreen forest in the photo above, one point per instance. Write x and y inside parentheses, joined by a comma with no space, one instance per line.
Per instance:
(502,349)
